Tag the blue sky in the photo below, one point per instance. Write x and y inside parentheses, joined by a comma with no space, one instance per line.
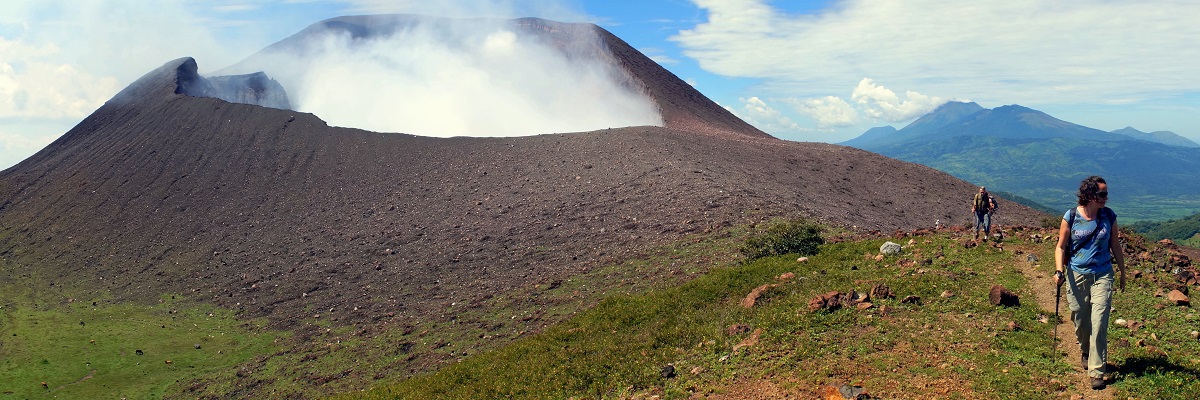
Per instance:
(800,70)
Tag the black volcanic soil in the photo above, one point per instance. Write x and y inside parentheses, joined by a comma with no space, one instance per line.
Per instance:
(272,211)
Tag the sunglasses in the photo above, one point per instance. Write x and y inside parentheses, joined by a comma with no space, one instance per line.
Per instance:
(1102,194)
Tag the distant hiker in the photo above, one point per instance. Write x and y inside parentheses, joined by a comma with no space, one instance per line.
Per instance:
(981,206)
(1087,247)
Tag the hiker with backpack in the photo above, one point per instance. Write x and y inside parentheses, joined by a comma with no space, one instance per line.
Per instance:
(981,206)
(1088,245)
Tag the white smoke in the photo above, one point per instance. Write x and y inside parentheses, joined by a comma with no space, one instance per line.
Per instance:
(457,79)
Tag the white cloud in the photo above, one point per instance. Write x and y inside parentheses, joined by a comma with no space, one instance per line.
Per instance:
(828,111)
(881,103)
(1024,51)
(658,55)
(32,86)
(758,113)
(20,138)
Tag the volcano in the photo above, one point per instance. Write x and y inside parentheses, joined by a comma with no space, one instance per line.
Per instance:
(168,189)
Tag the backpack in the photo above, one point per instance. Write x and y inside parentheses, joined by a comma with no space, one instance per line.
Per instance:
(981,202)
(1105,213)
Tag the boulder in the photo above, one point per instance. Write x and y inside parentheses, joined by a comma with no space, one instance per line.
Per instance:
(829,301)
(880,292)
(890,249)
(1178,298)
(1001,296)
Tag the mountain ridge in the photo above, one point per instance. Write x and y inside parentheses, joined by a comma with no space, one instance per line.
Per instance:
(1036,156)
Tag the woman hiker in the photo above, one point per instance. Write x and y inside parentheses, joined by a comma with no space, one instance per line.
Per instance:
(1087,247)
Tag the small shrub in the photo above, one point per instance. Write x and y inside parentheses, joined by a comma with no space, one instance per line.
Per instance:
(784,238)
(1051,222)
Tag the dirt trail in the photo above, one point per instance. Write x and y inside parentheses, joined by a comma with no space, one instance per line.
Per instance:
(1041,278)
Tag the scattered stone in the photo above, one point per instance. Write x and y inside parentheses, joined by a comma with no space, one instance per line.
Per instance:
(879,257)
(755,294)
(881,291)
(750,341)
(1178,298)
(829,301)
(1121,322)
(846,392)
(802,259)
(1186,277)
(737,329)
(786,276)
(947,294)
(864,305)
(890,249)
(197,346)
(697,370)
(1043,318)
(1012,326)
(667,372)
(1196,335)
(1031,258)
(911,299)
(138,352)
(1000,296)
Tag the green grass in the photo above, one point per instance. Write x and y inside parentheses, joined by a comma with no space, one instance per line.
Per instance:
(88,349)
(947,347)
(1159,359)
(673,308)
(618,348)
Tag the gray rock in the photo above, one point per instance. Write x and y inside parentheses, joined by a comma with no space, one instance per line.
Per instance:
(889,249)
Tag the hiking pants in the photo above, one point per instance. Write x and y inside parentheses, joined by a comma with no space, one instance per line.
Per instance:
(1090,300)
(983,220)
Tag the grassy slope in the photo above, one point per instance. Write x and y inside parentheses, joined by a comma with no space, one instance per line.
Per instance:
(80,349)
(942,346)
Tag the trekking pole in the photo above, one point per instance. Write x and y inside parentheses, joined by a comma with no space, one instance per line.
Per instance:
(1058,281)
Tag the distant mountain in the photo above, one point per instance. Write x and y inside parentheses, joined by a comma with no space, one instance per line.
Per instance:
(1034,155)
(1164,137)
(872,135)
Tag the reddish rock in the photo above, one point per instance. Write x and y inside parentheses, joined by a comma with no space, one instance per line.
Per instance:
(1000,296)
(1178,298)
(881,291)
(828,301)
(755,294)
(737,329)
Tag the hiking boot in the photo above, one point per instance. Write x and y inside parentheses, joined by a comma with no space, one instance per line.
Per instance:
(1085,357)
(1098,384)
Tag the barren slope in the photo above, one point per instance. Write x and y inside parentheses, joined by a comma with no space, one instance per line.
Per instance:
(272,212)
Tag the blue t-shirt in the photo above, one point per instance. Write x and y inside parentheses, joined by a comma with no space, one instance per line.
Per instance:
(1094,257)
